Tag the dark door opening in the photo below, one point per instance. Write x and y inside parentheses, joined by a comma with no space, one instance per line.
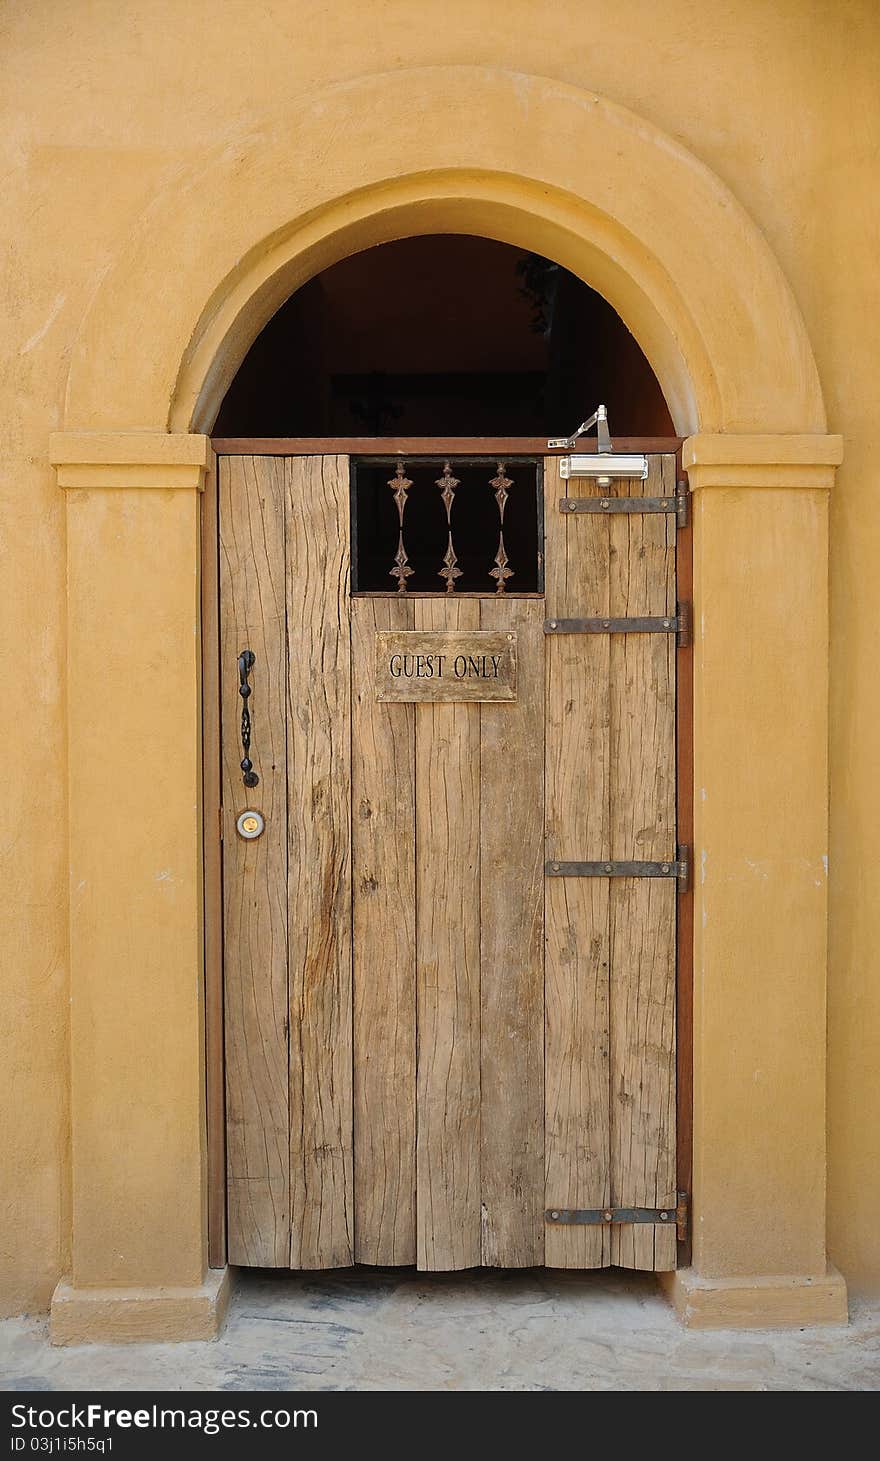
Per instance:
(442,335)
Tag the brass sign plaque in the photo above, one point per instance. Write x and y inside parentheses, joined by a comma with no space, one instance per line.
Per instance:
(452,664)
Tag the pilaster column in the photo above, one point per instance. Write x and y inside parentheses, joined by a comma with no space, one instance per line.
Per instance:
(138,1262)
(760,513)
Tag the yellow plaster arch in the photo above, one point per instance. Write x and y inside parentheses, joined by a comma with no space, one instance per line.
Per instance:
(458,149)
(565,173)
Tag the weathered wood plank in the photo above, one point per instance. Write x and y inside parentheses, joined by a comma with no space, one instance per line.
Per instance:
(577,1171)
(252,595)
(512,950)
(448,966)
(643,910)
(319,853)
(212,802)
(384,971)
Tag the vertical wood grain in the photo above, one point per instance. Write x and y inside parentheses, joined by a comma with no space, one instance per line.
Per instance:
(319,861)
(212,801)
(252,596)
(448,965)
(643,1156)
(512,953)
(577,909)
(684,933)
(397,959)
(384,969)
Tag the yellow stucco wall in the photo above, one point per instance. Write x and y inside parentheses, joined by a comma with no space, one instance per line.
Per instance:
(105,104)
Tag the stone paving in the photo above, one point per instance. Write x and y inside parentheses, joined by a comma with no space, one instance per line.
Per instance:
(384,1330)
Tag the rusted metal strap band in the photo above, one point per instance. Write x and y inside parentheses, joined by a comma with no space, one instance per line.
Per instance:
(648,625)
(610,505)
(611,1216)
(678,624)
(615,868)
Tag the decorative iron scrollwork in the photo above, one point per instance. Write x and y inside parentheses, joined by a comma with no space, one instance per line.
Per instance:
(501,485)
(476,545)
(400,485)
(245,665)
(450,570)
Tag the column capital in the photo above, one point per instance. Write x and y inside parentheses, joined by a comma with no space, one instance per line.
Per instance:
(726,459)
(140,459)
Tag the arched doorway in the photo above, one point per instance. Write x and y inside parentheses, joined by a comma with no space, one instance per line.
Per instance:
(566,174)
(452,854)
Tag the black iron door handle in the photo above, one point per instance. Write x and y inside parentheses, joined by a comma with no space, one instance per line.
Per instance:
(245,665)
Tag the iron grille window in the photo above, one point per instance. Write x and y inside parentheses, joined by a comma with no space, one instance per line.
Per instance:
(436,525)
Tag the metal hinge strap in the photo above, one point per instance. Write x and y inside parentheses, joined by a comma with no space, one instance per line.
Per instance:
(682,503)
(652,624)
(683,638)
(610,1216)
(678,624)
(610,505)
(616,868)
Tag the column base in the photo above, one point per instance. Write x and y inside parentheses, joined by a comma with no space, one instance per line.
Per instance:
(139,1315)
(756,1303)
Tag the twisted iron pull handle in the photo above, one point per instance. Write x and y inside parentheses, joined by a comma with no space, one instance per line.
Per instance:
(245,665)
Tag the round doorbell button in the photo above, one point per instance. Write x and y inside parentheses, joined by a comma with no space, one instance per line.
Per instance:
(250,825)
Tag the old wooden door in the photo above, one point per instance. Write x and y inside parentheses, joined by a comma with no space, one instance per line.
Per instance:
(449,997)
